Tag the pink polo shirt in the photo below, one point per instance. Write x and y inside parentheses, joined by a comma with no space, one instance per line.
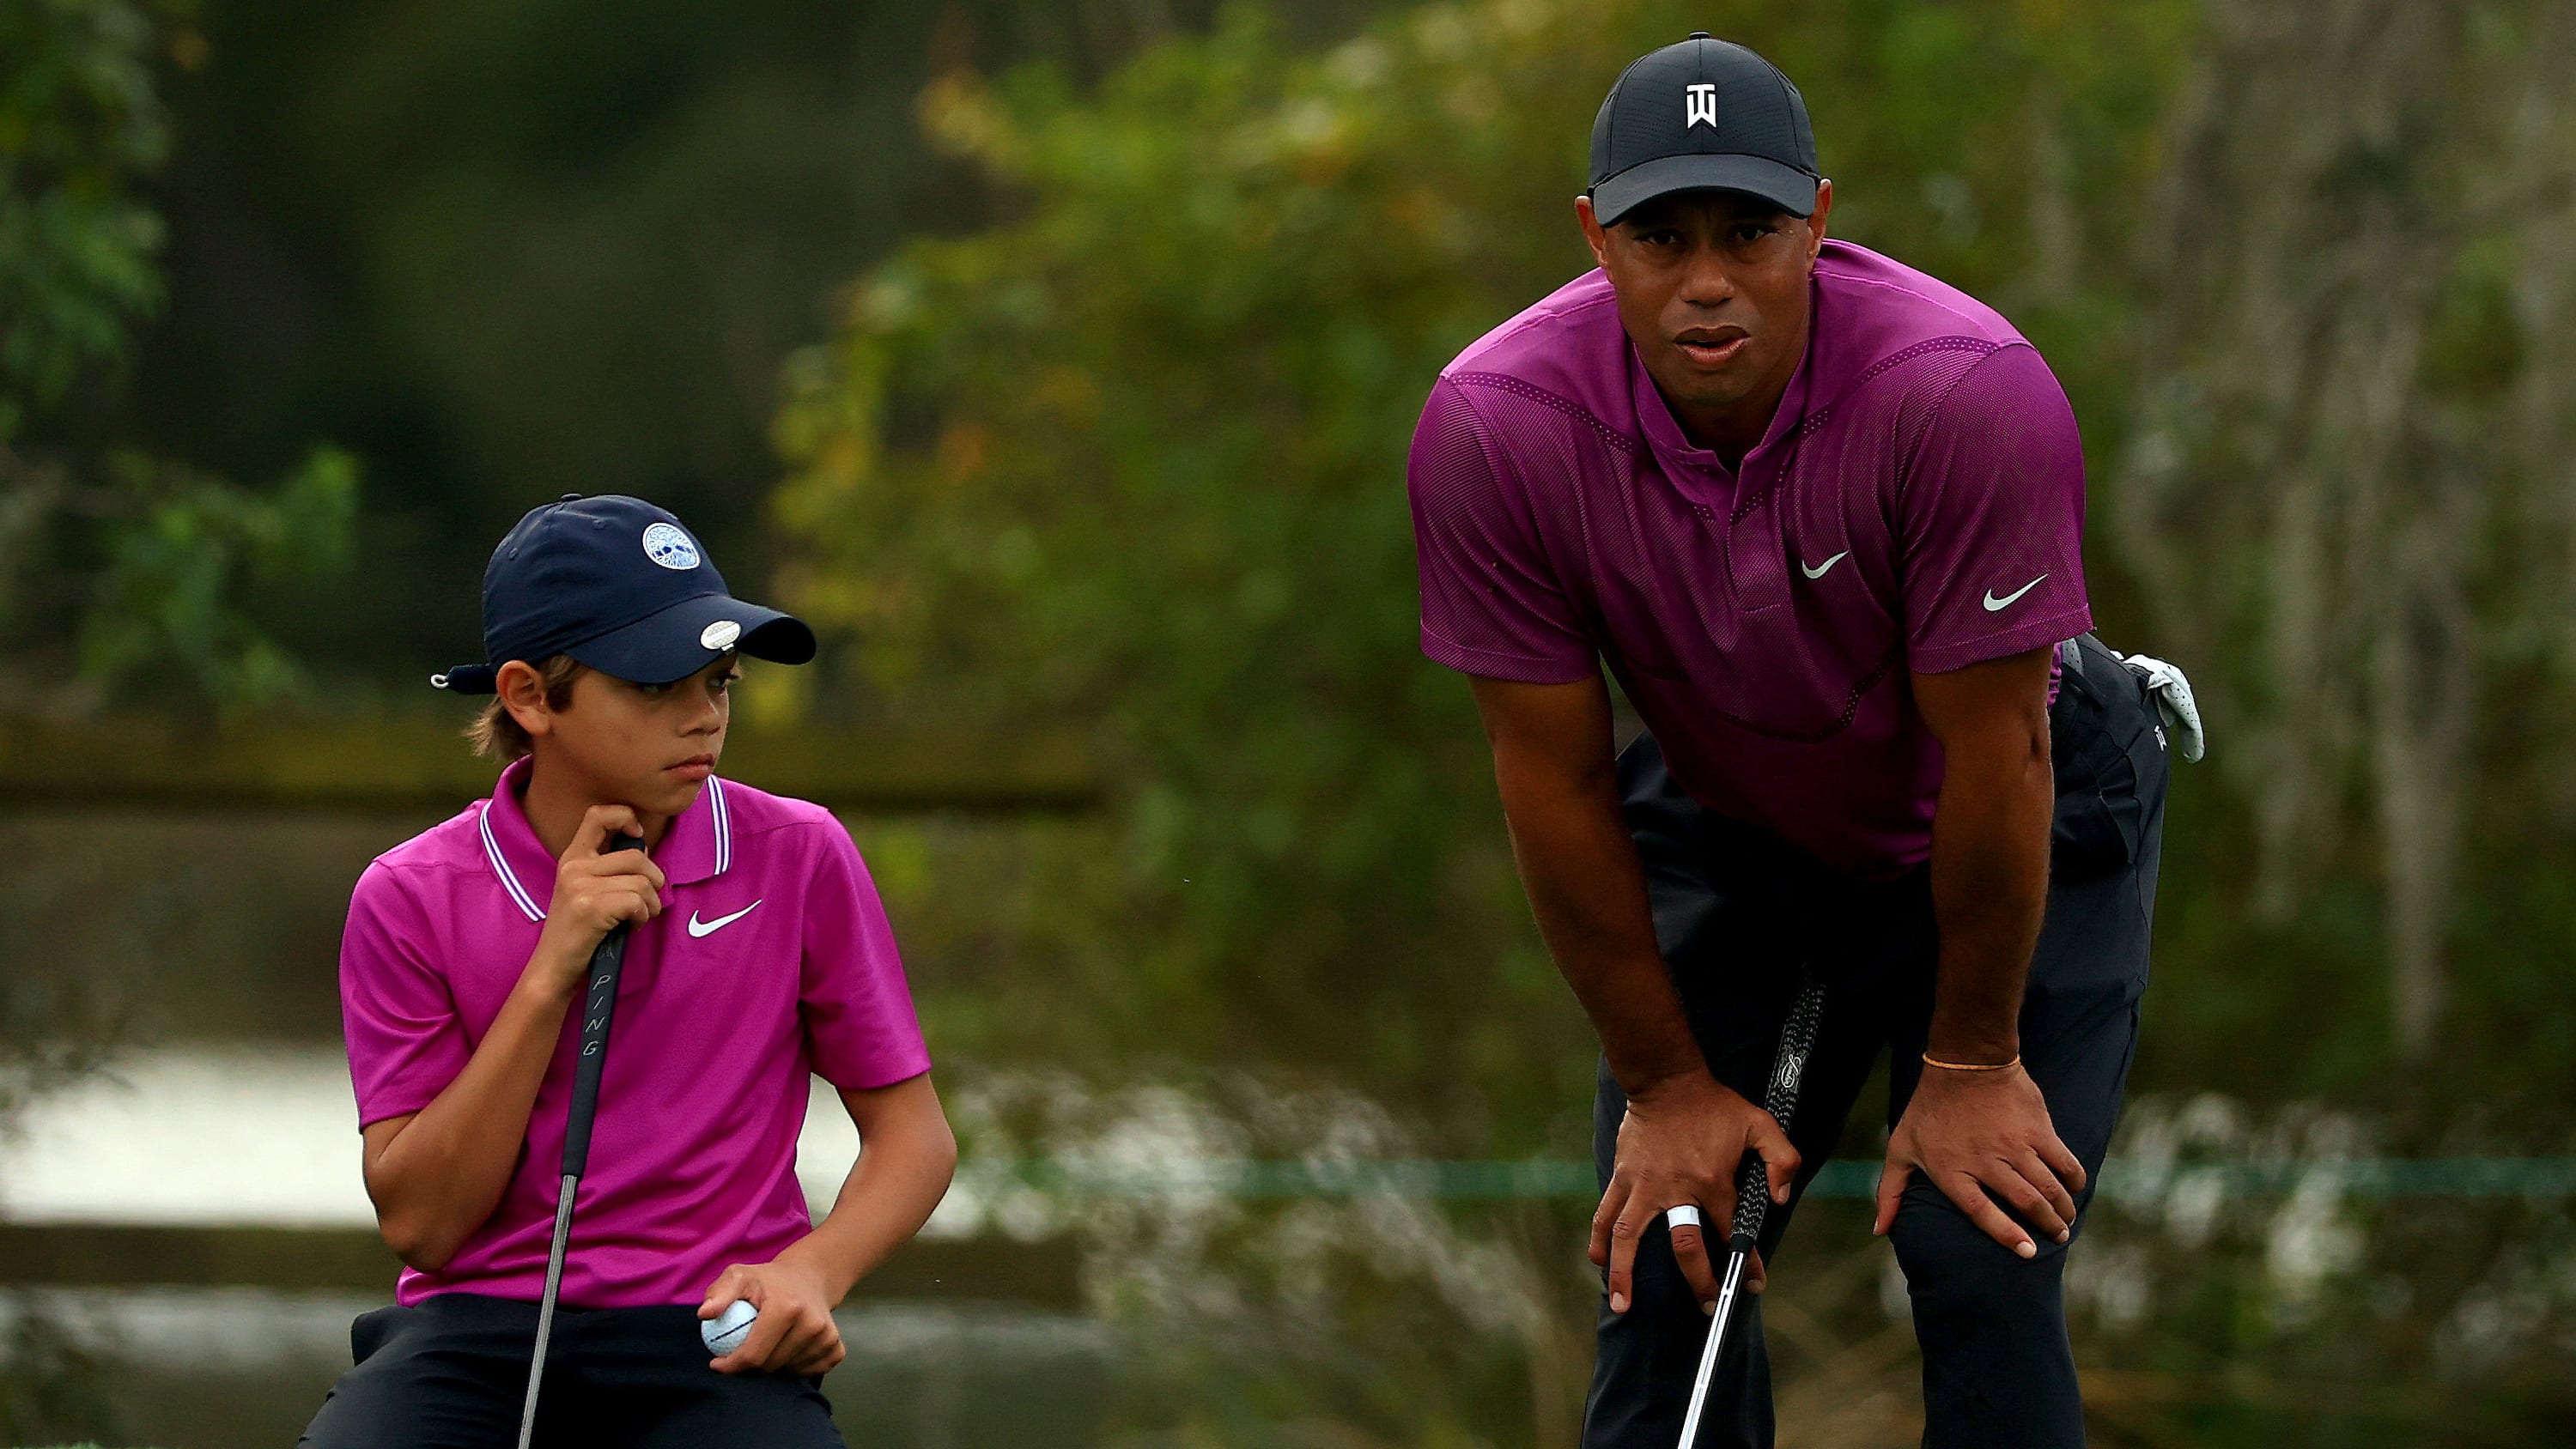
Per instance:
(771,961)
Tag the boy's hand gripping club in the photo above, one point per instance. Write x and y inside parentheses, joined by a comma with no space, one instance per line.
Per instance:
(599,1003)
(1753,1190)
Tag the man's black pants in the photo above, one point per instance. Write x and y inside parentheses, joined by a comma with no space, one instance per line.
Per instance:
(1738,916)
(451,1372)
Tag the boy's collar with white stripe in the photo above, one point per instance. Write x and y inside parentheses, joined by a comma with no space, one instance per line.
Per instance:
(698,846)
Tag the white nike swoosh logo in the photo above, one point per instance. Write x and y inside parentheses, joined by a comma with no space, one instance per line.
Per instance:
(709,928)
(1818,571)
(1994,604)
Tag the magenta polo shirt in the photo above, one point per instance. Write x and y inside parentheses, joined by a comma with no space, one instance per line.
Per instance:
(1917,505)
(772,960)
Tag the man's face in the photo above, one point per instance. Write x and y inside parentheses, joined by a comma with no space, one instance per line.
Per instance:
(1712,288)
(650,746)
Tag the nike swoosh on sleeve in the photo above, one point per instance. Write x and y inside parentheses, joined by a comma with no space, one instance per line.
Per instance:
(1818,571)
(1995,605)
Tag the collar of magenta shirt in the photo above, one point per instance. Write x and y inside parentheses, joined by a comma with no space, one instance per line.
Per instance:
(1700,471)
(698,846)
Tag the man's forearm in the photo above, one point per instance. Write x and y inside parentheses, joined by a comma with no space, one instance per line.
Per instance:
(1989,892)
(1589,894)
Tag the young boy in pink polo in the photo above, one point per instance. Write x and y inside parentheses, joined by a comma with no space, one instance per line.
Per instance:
(757,955)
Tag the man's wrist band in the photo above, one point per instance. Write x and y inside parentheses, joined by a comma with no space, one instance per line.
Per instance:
(1930,1060)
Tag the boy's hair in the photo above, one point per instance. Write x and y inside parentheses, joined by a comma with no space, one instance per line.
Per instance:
(495,733)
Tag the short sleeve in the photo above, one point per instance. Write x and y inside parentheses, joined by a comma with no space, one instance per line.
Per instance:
(1992,515)
(860,1028)
(406,1040)
(1491,604)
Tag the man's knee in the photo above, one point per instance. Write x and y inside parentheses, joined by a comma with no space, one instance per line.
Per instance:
(1952,1268)
(1998,1372)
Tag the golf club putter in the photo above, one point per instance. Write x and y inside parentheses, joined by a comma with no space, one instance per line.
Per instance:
(598,1005)
(1753,1190)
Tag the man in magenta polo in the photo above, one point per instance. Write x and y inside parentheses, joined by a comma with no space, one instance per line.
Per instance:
(758,957)
(1821,516)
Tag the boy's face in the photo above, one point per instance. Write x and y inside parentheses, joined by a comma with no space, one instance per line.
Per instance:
(650,746)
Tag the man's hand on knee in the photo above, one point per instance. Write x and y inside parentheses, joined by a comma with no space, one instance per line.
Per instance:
(1680,1144)
(1984,1138)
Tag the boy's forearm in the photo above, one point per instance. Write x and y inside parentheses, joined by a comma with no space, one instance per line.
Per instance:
(901,1174)
(440,1178)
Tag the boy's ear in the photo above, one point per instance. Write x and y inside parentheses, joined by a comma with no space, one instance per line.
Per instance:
(522,691)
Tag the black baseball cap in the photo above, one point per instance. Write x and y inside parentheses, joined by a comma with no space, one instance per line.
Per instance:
(1702,115)
(621,586)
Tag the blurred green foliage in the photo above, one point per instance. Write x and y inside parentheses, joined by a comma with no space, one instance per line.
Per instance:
(2345,493)
(167,603)
(505,249)
(81,125)
(144,563)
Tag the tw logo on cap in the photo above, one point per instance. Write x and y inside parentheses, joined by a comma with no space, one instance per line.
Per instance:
(1699,105)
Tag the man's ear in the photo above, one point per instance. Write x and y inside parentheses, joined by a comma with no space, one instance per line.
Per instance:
(523,693)
(1816,218)
(1594,234)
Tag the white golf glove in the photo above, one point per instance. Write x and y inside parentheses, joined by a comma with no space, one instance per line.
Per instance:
(2173,701)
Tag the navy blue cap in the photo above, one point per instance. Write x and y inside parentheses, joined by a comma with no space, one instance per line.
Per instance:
(1702,115)
(621,586)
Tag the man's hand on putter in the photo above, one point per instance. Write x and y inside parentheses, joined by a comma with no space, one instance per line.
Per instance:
(1681,1142)
(1984,1138)
(795,1332)
(594,891)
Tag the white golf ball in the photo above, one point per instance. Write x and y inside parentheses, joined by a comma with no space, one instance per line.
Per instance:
(725,1332)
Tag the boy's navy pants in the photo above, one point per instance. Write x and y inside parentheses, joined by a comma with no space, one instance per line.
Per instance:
(451,1372)
(1738,917)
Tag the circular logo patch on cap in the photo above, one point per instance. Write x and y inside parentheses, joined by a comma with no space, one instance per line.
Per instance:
(666,545)
(719,635)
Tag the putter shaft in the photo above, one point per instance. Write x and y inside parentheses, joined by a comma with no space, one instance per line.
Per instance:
(1738,1254)
(546,1307)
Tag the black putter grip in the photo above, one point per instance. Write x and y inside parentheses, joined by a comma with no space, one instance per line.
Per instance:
(1780,1099)
(1752,1202)
(599,1003)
